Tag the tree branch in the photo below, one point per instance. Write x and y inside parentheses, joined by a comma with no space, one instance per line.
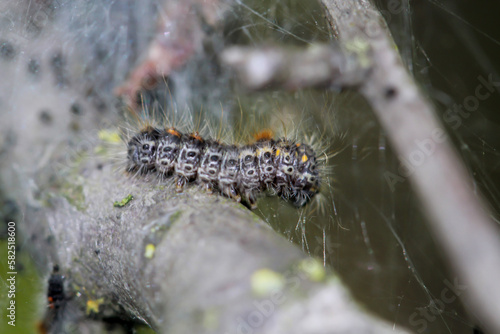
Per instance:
(319,66)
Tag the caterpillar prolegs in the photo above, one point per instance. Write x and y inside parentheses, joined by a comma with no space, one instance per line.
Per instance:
(279,167)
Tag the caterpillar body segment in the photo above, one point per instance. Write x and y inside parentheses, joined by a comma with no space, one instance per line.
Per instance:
(209,170)
(229,172)
(188,160)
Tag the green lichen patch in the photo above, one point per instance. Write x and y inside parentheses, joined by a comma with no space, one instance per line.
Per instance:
(74,195)
(149,251)
(175,216)
(109,136)
(123,202)
(266,281)
(313,269)
(93,305)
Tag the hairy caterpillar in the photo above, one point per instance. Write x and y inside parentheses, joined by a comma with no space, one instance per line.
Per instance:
(279,167)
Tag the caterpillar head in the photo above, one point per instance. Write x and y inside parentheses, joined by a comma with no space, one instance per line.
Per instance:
(169,144)
(141,151)
(305,180)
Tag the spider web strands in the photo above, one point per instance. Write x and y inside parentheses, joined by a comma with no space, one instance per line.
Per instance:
(461,19)
(409,261)
(460,221)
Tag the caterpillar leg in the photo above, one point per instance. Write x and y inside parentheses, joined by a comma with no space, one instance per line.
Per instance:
(250,198)
(208,187)
(234,194)
(181,182)
(302,197)
(285,192)
(230,191)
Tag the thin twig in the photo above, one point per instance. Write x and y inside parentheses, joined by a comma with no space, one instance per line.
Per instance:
(319,66)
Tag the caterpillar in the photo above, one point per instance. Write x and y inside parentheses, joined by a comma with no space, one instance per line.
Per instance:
(279,167)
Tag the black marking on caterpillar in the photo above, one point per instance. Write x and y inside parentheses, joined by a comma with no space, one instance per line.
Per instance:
(280,167)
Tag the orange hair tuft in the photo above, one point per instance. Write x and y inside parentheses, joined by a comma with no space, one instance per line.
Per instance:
(265,134)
